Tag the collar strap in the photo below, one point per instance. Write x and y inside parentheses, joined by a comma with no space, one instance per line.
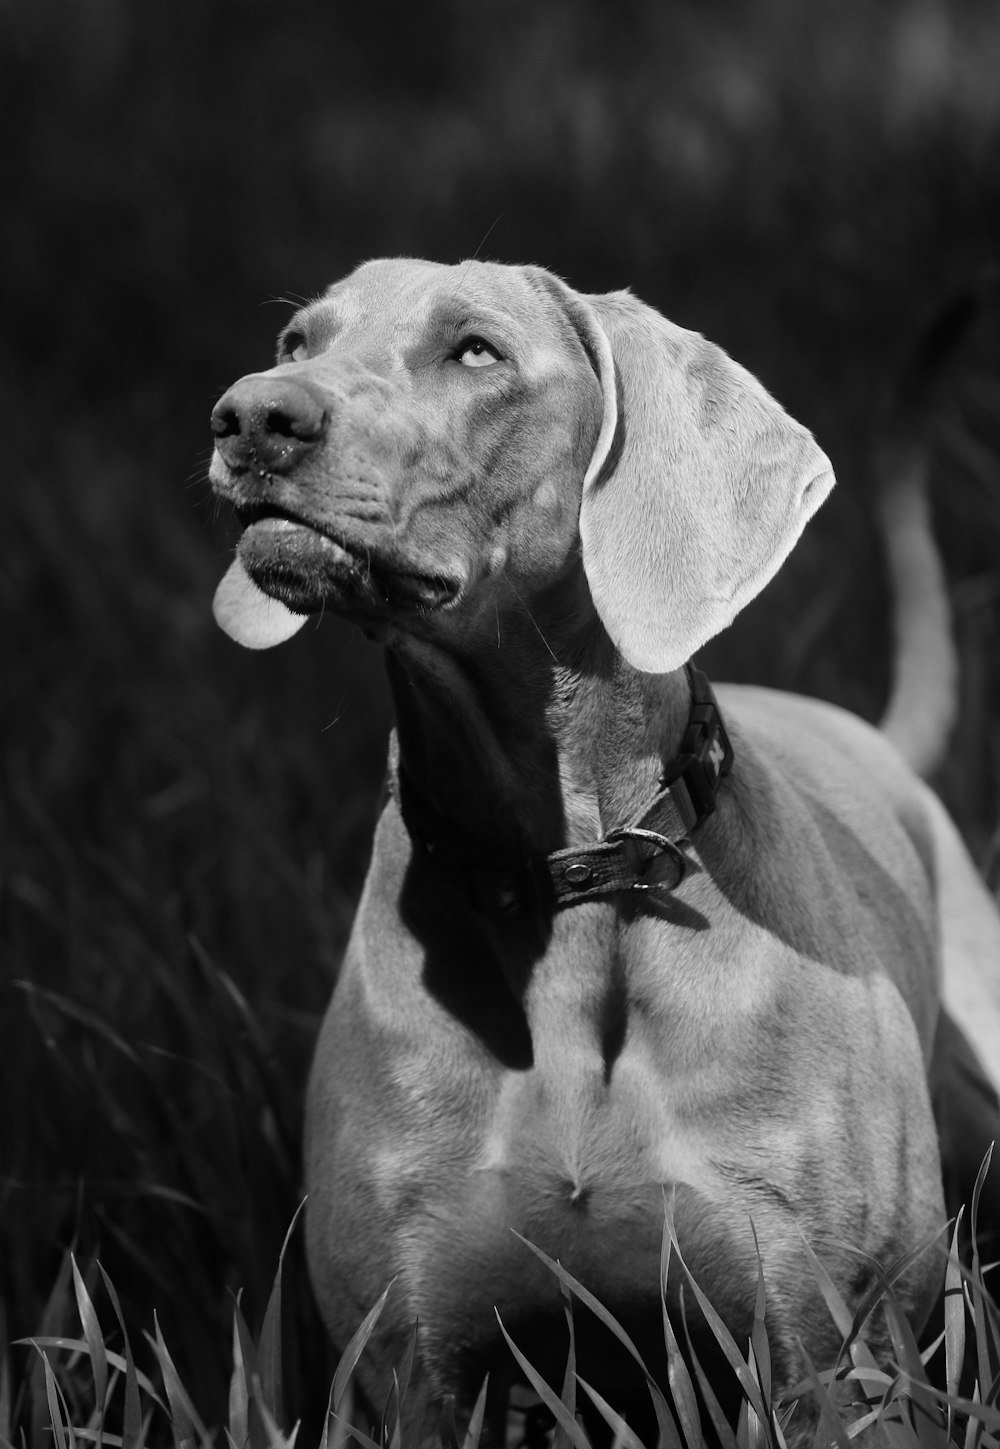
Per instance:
(644,855)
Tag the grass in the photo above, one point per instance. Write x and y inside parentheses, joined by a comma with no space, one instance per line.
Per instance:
(83,1385)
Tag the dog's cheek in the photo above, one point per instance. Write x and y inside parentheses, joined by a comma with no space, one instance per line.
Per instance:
(541,532)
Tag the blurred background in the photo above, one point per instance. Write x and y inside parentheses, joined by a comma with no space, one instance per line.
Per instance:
(185,826)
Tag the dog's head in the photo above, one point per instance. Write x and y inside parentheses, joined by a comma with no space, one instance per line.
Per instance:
(432,436)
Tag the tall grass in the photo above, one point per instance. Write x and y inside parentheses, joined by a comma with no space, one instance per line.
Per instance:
(181,841)
(84,1386)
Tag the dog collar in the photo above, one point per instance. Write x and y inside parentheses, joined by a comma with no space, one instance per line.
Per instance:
(644,855)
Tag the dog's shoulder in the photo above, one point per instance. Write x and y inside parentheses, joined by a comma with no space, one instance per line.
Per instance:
(807,758)
(812,741)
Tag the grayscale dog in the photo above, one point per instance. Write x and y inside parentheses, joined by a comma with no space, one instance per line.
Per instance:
(619,938)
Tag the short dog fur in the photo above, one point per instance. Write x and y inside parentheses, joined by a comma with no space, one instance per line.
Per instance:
(542,503)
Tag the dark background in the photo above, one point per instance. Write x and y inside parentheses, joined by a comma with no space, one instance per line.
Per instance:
(184,825)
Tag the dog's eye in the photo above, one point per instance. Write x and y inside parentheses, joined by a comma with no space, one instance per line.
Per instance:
(294,347)
(475,352)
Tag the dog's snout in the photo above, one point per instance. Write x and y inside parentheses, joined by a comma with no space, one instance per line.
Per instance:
(268,422)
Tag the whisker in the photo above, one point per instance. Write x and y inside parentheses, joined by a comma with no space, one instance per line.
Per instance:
(292,300)
(475,254)
(530,615)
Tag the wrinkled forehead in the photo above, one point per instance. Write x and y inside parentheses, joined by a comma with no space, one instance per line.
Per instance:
(393,301)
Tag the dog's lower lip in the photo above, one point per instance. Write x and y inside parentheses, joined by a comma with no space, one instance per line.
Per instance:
(277,524)
(275,548)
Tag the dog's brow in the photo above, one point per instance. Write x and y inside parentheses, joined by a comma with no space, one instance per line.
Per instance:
(445,316)
(318,318)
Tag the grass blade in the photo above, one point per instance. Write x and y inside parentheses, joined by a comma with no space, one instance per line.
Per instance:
(954,1315)
(394,1409)
(474,1432)
(665,1421)
(405,1370)
(987,1324)
(346,1432)
(269,1432)
(390,1427)
(749,1433)
(972,1429)
(976,1408)
(74,1011)
(979,1318)
(325,1439)
(760,1347)
(95,1344)
(903,1342)
(838,1309)
(115,1360)
(624,1436)
(568,1395)
(341,1431)
(898,1432)
(885,1280)
(132,1412)
(721,1333)
(720,1423)
(831,1428)
(678,1377)
(239,1394)
(574,1434)
(260,1423)
(62,1434)
(57,1313)
(924,1399)
(269,1352)
(269,1345)
(356,1347)
(187,1427)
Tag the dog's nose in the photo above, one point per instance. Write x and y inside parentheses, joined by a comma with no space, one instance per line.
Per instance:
(268,422)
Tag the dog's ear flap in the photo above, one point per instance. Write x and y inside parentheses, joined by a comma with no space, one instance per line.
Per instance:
(699,487)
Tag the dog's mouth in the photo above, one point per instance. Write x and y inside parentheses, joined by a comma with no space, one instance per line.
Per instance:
(309,569)
(286,569)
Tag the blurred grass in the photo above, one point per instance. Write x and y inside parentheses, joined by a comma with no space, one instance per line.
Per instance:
(184,827)
(170,849)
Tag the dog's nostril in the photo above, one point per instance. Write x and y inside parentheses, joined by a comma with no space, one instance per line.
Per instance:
(225,421)
(304,422)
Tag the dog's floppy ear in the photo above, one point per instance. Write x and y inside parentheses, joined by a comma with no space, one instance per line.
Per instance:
(699,487)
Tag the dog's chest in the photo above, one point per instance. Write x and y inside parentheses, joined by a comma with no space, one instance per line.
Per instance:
(586,1185)
(572,1155)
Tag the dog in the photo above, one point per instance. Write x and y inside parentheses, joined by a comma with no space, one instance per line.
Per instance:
(623,940)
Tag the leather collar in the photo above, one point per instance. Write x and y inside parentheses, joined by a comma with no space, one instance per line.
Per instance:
(644,855)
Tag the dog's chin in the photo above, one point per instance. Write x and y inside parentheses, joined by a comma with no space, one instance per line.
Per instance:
(309,571)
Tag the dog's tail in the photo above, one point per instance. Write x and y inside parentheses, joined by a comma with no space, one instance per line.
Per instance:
(923,701)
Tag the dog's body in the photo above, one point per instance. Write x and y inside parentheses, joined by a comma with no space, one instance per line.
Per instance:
(757,1042)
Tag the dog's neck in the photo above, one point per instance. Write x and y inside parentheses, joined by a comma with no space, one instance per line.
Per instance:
(537,738)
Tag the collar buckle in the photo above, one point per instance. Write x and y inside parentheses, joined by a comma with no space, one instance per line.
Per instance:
(647,863)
